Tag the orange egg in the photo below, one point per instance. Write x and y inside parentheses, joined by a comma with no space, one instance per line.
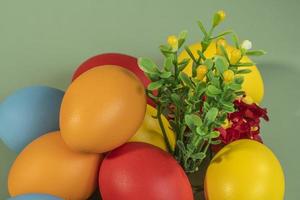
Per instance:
(102,109)
(48,166)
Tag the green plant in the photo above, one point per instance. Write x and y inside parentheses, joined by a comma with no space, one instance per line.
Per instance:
(196,105)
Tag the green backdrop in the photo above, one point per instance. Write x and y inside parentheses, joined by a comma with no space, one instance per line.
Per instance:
(42,42)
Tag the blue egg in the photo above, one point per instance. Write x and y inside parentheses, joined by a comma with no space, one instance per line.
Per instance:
(29,113)
(34,197)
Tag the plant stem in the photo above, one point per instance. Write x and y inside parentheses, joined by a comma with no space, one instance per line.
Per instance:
(205,150)
(163,129)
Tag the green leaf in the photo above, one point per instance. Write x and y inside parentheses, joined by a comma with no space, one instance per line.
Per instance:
(184,61)
(214,134)
(229,109)
(227,106)
(215,142)
(226,103)
(183,34)
(180,145)
(205,106)
(202,28)
(256,53)
(221,64)
(186,80)
(175,98)
(183,64)
(165,74)
(201,55)
(200,132)
(211,114)
(249,64)
(193,121)
(235,86)
(152,96)
(200,89)
(187,49)
(240,93)
(235,40)
(209,63)
(147,65)
(155,85)
(213,90)
(244,71)
(216,20)
(166,50)
(205,43)
(238,79)
(154,77)
(222,34)
(224,52)
(198,156)
(181,38)
(168,63)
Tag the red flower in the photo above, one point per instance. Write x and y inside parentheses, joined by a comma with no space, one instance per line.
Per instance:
(244,123)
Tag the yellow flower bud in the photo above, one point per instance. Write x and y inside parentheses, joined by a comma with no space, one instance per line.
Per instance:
(247,100)
(228,76)
(222,14)
(236,55)
(219,17)
(201,71)
(227,124)
(173,41)
(220,42)
(254,128)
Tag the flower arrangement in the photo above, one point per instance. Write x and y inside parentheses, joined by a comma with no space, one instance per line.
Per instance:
(207,107)
(129,129)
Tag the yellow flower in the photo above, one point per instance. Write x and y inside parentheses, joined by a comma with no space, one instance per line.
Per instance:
(247,100)
(236,55)
(220,42)
(173,41)
(201,71)
(228,76)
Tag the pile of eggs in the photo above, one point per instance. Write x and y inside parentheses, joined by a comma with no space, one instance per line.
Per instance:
(93,136)
(102,134)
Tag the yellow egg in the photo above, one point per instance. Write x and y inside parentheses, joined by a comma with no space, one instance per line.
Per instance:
(253,84)
(244,170)
(48,166)
(150,131)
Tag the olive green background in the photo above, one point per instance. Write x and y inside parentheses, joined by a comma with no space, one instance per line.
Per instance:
(42,42)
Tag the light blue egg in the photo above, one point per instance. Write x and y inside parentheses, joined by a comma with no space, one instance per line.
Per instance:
(29,113)
(34,197)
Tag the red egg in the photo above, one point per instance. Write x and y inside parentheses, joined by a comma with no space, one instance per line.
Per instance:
(122,60)
(140,171)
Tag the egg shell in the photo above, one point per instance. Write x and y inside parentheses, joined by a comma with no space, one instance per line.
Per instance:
(34,197)
(28,113)
(244,169)
(102,109)
(122,60)
(150,131)
(138,171)
(48,166)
